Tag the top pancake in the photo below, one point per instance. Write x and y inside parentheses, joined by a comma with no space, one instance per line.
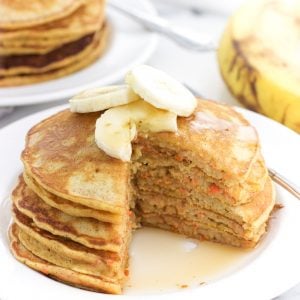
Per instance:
(20,13)
(217,139)
(62,156)
(88,18)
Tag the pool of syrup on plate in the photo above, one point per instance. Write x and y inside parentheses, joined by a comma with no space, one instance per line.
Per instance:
(161,261)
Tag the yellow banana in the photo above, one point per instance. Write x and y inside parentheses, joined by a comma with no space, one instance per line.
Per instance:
(259,58)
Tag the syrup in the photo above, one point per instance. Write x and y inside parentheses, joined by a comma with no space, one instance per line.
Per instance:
(161,261)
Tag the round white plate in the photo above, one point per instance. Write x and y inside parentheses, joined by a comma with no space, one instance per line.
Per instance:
(271,268)
(130,44)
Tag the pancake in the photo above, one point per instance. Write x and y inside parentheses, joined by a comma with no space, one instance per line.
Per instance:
(95,50)
(88,18)
(243,217)
(69,207)
(13,51)
(191,213)
(41,41)
(164,147)
(196,230)
(44,38)
(23,64)
(20,14)
(55,59)
(35,46)
(206,181)
(216,138)
(89,282)
(178,180)
(86,231)
(62,157)
(55,249)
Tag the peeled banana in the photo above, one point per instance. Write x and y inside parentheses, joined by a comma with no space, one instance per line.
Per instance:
(259,58)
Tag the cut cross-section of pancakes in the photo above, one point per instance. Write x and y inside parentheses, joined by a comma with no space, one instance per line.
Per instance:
(49,49)
(82,21)
(241,226)
(87,231)
(207,180)
(16,13)
(75,169)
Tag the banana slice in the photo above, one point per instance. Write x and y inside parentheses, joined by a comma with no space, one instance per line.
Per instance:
(161,90)
(259,59)
(102,98)
(118,126)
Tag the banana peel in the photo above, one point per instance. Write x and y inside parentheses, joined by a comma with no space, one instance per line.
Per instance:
(259,59)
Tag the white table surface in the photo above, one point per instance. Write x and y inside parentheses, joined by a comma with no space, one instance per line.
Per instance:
(198,70)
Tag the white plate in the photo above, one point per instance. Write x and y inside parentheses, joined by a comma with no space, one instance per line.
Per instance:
(272,268)
(130,44)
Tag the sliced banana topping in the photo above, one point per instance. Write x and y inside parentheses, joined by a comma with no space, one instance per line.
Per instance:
(118,126)
(161,90)
(102,98)
(149,102)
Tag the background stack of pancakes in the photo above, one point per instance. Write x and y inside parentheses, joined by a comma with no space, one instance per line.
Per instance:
(42,40)
(207,181)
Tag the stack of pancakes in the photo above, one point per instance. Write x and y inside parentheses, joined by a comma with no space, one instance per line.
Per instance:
(43,40)
(73,205)
(208,181)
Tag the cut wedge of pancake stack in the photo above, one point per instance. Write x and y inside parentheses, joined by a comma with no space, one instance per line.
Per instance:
(205,182)
(43,40)
(75,206)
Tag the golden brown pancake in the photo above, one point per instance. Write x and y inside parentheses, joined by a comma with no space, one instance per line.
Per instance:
(44,38)
(55,249)
(222,142)
(239,156)
(87,19)
(91,54)
(189,181)
(33,63)
(20,14)
(88,282)
(37,45)
(242,217)
(184,215)
(86,231)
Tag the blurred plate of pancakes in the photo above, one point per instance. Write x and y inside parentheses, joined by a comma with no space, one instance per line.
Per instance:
(51,50)
(268,270)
